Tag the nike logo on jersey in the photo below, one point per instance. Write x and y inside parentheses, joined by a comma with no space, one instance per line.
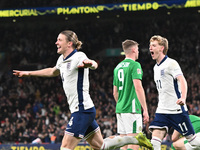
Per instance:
(185,133)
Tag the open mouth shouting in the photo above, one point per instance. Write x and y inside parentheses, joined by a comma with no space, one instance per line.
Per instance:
(152,54)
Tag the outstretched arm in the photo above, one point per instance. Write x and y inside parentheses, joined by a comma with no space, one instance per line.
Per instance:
(47,72)
(88,63)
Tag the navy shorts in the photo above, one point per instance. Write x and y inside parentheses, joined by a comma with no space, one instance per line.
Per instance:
(179,122)
(82,124)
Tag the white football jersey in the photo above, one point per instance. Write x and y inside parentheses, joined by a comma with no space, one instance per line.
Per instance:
(165,75)
(75,81)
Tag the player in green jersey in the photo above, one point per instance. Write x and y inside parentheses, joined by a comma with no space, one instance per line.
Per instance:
(182,143)
(129,93)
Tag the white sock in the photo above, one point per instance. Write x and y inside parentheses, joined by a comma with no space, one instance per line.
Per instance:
(194,140)
(118,141)
(188,147)
(156,142)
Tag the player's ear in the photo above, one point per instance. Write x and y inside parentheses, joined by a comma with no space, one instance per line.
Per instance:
(70,43)
(133,49)
(162,48)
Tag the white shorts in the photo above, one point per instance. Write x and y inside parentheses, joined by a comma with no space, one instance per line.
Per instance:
(129,123)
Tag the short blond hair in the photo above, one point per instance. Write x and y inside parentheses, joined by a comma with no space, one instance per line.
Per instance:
(127,44)
(161,41)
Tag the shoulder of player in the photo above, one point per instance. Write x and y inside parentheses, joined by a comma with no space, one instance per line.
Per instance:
(132,61)
(127,63)
(172,62)
(170,59)
(138,64)
(80,53)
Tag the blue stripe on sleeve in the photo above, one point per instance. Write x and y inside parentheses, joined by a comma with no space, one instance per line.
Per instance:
(178,93)
(80,87)
(176,89)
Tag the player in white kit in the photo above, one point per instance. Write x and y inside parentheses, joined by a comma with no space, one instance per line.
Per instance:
(73,67)
(172,90)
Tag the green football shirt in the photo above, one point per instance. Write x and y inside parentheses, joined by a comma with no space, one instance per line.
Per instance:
(124,73)
(195,120)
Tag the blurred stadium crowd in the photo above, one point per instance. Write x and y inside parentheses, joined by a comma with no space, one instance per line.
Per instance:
(37,107)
